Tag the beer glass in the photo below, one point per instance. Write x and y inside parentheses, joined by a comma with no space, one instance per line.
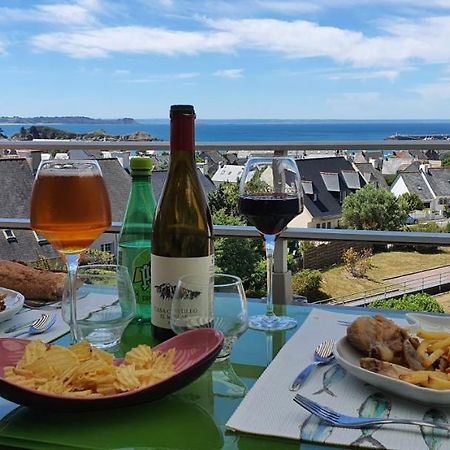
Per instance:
(70,207)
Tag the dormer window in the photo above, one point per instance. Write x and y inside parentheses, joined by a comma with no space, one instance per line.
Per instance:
(331,181)
(9,235)
(40,239)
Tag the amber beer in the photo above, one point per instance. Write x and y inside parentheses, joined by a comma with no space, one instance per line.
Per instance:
(71,210)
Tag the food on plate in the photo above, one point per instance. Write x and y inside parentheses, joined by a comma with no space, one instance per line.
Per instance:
(85,371)
(390,350)
(32,283)
(2,302)
(381,338)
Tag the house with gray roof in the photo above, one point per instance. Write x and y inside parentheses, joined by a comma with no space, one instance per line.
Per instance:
(371,175)
(325,182)
(432,185)
(17,182)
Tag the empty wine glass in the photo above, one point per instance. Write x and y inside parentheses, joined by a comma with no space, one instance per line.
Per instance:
(270,196)
(224,307)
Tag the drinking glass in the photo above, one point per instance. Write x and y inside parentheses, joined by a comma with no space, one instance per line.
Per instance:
(106,303)
(224,307)
(270,196)
(70,207)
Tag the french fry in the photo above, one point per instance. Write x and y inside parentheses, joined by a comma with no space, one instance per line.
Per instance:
(444,343)
(421,376)
(430,360)
(436,382)
(434,335)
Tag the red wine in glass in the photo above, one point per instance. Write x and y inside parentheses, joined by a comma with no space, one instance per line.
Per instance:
(270,213)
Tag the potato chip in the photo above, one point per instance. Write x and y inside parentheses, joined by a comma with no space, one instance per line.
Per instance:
(84,371)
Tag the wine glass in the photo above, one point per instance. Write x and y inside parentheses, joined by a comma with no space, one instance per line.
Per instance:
(270,196)
(223,306)
(70,207)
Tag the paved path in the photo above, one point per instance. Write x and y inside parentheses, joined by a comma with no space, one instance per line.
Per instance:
(405,284)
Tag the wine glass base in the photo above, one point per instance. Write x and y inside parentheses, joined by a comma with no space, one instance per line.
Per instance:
(271,323)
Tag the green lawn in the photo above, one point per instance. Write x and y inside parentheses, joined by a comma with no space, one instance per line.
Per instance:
(337,282)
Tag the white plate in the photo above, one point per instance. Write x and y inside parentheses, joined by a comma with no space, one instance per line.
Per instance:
(13,302)
(348,358)
(428,322)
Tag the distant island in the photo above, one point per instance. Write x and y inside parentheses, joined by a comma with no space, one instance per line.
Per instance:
(63,119)
(42,132)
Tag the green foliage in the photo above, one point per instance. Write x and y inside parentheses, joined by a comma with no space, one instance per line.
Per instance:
(373,208)
(412,302)
(225,198)
(54,265)
(426,227)
(412,201)
(241,257)
(94,256)
(307,282)
(445,160)
(390,179)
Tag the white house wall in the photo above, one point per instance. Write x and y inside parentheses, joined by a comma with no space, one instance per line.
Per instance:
(399,187)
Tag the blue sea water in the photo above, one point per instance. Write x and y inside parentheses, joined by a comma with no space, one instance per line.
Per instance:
(268,130)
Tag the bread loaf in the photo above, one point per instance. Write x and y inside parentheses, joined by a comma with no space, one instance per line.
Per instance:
(32,283)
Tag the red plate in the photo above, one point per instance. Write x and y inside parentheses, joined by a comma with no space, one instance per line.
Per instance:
(196,350)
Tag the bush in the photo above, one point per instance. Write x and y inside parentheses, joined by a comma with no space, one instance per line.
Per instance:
(413,302)
(357,263)
(307,282)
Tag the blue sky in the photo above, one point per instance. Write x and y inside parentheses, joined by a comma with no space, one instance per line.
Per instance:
(279,59)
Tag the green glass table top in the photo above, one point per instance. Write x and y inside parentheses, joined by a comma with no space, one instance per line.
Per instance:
(192,418)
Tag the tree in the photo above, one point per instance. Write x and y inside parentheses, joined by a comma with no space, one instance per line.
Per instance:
(241,257)
(307,282)
(446,160)
(373,208)
(357,263)
(412,201)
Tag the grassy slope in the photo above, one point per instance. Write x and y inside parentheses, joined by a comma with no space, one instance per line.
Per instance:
(337,282)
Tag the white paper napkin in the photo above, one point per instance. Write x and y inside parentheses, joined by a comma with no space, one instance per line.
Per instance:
(269,409)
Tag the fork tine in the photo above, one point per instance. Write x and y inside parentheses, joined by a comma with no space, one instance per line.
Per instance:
(42,320)
(315,408)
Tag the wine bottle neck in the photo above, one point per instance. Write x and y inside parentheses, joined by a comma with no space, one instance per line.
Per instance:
(182,135)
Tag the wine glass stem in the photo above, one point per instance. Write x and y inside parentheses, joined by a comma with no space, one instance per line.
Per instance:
(270,248)
(72,268)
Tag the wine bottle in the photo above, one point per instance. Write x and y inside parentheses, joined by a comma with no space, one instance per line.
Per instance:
(135,240)
(182,229)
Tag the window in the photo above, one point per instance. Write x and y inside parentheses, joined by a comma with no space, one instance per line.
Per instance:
(328,224)
(317,225)
(40,239)
(324,224)
(106,247)
(9,235)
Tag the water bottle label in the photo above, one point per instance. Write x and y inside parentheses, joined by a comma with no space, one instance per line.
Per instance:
(165,273)
(137,260)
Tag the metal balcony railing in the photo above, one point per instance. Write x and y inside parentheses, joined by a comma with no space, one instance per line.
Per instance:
(282,277)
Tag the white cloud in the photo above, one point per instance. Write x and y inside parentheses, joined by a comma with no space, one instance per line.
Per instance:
(100,42)
(398,43)
(229,73)
(286,7)
(121,72)
(437,91)
(80,12)
(3,46)
(390,75)
(165,77)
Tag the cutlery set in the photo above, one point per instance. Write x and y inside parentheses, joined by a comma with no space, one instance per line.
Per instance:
(323,354)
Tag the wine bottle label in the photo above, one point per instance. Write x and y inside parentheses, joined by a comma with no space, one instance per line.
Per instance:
(165,273)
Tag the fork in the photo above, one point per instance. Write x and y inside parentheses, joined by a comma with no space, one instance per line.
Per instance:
(323,354)
(341,420)
(41,325)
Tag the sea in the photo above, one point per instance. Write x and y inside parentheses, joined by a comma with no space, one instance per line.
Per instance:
(267,130)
